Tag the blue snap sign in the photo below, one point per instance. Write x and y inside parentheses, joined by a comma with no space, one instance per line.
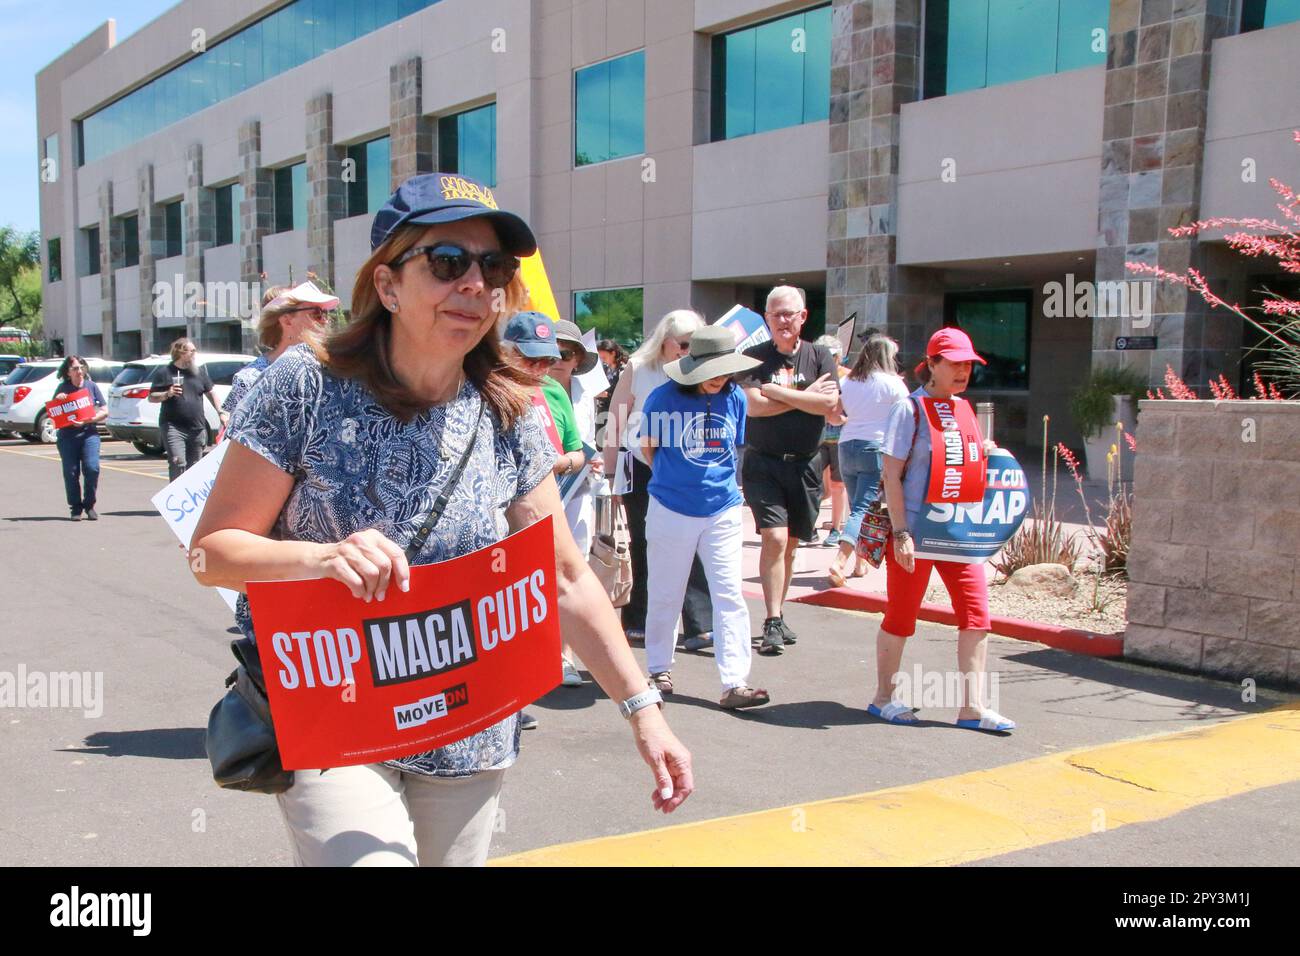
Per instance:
(973,533)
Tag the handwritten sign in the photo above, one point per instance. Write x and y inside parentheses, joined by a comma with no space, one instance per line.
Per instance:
(181,502)
(74,408)
(476,639)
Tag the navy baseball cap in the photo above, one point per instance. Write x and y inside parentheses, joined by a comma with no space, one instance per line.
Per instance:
(433,198)
(533,334)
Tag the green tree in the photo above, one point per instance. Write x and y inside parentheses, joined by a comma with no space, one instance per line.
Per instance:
(20,279)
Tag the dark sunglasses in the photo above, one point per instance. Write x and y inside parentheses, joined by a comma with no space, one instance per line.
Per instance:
(568,355)
(448,262)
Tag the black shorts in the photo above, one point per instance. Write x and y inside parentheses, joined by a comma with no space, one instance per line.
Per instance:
(783,494)
(828,456)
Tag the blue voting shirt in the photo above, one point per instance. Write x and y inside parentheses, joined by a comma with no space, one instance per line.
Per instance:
(695,455)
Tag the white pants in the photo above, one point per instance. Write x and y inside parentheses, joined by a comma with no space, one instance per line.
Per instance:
(671,540)
(580,512)
(373,815)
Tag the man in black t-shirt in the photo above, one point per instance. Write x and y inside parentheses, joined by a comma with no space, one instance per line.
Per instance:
(789,395)
(181,388)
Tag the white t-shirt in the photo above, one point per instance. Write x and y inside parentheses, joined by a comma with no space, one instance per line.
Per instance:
(867,404)
(645,380)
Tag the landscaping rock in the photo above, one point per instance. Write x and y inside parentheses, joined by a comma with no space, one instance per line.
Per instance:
(1054,580)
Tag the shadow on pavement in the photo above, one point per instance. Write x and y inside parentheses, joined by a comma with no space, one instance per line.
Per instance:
(804,714)
(573,698)
(169,743)
(1126,679)
(40,518)
(128,514)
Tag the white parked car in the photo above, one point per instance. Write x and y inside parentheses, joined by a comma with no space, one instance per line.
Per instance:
(132,417)
(28,387)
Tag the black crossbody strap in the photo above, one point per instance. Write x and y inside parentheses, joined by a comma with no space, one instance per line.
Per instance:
(440,503)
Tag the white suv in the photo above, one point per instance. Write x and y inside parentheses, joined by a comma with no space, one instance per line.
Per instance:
(132,417)
(28,387)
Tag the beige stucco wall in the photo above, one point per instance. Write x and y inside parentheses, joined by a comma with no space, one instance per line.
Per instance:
(1027,159)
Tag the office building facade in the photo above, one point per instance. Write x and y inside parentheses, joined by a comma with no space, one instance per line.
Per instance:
(909,163)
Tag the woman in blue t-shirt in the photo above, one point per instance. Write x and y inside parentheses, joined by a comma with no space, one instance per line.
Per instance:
(690,430)
(79,444)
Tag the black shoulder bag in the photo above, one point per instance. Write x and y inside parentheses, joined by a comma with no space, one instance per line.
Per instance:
(240,741)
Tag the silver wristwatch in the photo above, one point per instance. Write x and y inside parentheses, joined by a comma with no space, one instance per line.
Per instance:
(640,701)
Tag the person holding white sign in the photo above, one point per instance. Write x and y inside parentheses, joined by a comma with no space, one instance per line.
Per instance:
(910,483)
(336,460)
(79,444)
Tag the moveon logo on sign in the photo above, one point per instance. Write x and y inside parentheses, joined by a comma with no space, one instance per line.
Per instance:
(1121,299)
(430,708)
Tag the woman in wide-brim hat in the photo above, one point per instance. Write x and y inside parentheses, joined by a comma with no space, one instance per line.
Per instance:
(689,433)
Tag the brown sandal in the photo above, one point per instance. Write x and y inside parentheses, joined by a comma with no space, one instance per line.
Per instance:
(740,697)
(663,681)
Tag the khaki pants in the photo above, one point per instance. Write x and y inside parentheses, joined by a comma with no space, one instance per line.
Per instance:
(377,816)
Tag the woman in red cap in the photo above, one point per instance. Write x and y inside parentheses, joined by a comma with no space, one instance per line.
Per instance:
(934,409)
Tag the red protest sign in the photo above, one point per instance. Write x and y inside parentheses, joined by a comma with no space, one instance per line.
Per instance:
(957,466)
(543,412)
(475,639)
(72,409)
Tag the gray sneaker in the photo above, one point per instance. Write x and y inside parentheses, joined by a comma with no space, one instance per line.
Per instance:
(773,642)
(787,635)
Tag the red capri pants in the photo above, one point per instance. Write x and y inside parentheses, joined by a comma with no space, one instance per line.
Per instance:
(966,584)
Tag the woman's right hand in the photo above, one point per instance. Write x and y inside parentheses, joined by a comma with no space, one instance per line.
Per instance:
(366,562)
(905,554)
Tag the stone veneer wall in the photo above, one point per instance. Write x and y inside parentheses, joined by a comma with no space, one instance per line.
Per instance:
(1214,568)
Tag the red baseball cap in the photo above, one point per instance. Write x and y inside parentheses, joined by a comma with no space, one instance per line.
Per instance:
(954,345)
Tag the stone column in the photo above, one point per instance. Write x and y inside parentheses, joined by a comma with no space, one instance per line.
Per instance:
(1153,144)
(200,229)
(875,69)
(410,132)
(256,211)
(327,200)
(153,246)
(112,256)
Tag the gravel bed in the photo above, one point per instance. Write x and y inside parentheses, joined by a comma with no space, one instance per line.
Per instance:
(1075,611)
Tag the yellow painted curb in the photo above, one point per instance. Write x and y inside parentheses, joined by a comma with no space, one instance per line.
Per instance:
(975,815)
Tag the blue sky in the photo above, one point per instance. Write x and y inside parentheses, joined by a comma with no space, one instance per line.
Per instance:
(31,35)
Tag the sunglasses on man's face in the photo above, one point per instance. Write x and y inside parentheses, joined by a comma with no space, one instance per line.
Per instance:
(448,262)
(568,355)
(542,361)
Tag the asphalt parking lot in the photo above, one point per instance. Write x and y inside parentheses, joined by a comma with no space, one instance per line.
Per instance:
(132,786)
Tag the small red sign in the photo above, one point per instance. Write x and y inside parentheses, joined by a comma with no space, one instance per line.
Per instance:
(476,639)
(75,408)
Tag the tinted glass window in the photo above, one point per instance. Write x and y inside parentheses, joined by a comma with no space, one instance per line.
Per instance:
(610,109)
(369,169)
(92,251)
(29,373)
(131,240)
(8,365)
(998,324)
(613,313)
(222,373)
(290,36)
(971,44)
(104,374)
(133,374)
(54,253)
(1257,14)
(772,75)
(467,144)
(172,228)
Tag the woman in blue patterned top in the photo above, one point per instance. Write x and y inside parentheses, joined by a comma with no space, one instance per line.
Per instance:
(335,458)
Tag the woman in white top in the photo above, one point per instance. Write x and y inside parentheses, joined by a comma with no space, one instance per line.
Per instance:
(670,340)
(870,390)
